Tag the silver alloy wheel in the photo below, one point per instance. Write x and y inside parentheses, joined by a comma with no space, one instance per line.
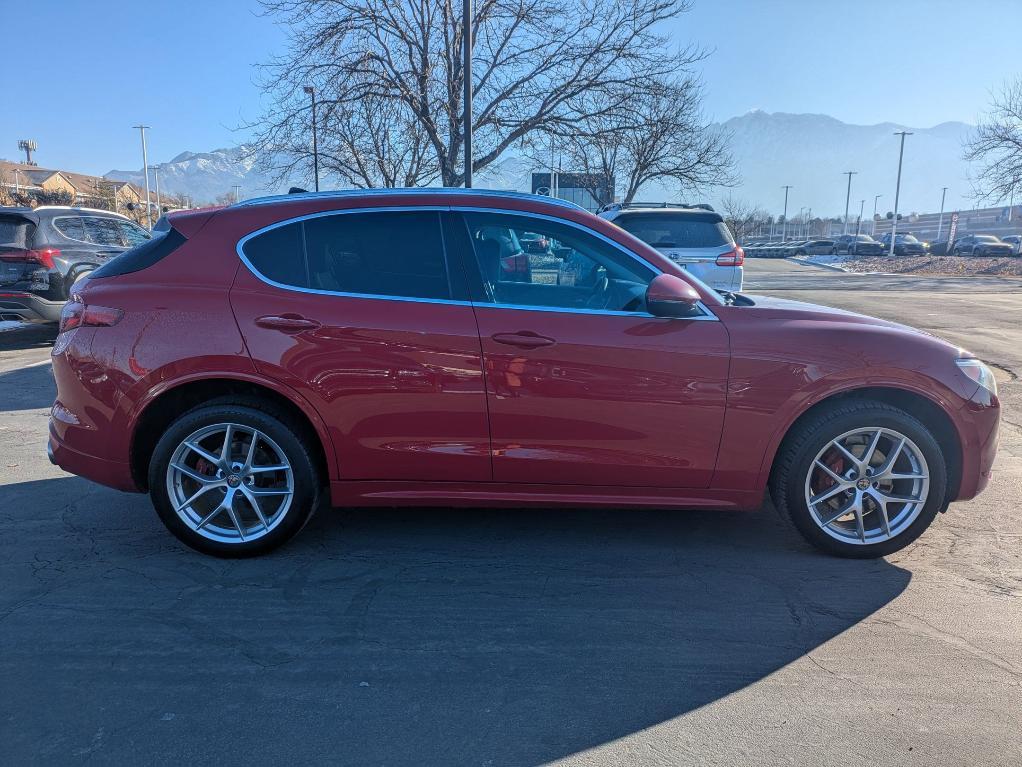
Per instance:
(230,483)
(867,486)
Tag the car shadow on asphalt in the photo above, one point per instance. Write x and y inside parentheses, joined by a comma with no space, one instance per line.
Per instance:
(27,388)
(413,636)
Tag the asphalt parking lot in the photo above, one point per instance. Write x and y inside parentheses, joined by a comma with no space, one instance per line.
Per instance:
(483,637)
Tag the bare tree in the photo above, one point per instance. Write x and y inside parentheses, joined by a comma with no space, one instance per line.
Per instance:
(539,65)
(996,146)
(743,218)
(649,133)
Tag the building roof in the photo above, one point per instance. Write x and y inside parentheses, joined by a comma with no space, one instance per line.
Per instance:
(85,184)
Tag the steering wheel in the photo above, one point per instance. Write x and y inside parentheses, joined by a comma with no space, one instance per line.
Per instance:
(600,293)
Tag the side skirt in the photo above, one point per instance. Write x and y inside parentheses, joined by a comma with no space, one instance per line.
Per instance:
(507,495)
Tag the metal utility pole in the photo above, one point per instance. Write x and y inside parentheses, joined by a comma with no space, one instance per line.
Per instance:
(156,173)
(145,167)
(897,190)
(873,229)
(858,224)
(784,231)
(940,221)
(848,196)
(315,143)
(466,15)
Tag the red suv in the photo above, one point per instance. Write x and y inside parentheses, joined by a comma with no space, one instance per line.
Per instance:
(374,345)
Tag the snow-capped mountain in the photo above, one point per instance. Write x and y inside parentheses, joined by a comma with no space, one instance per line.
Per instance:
(204,176)
(808,151)
(811,152)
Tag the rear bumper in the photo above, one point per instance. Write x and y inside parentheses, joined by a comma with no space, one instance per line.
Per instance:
(29,306)
(110,473)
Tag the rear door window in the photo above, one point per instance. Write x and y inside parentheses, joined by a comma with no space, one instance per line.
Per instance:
(103,231)
(397,254)
(132,234)
(664,230)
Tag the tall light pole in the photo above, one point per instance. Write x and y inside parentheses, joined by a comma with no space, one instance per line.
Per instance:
(315,141)
(858,224)
(237,192)
(873,229)
(897,190)
(466,15)
(156,173)
(848,196)
(940,221)
(145,169)
(784,231)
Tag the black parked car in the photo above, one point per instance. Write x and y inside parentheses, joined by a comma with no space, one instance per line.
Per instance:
(982,245)
(44,250)
(816,247)
(904,245)
(857,245)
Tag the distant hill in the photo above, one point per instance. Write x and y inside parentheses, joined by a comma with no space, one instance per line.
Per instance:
(808,151)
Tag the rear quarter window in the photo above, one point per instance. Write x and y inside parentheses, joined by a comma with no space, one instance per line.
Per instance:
(16,232)
(663,230)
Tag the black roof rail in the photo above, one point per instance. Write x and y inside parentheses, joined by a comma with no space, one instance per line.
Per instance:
(680,205)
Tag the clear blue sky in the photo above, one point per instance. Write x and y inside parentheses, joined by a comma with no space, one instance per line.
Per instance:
(188,68)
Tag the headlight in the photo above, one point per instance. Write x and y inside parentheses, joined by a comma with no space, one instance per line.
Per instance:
(979,373)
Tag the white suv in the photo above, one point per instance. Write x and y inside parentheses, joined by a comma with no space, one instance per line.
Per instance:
(692,236)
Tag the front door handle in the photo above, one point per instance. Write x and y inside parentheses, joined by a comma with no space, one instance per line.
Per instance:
(523,339)
(287,323)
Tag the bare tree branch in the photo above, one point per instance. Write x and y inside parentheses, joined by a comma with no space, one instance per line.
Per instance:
(996,147)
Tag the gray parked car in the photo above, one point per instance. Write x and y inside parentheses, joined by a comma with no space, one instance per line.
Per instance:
(44,250)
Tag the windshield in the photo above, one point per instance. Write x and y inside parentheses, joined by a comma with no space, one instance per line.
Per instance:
(664,230)
(986,238)
(906,238)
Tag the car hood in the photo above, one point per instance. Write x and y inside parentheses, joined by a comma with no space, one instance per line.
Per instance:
(770,308)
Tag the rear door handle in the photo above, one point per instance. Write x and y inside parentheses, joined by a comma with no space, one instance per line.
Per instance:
(287,323)
(523,339)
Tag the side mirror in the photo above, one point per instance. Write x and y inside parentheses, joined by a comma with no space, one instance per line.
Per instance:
(670,296)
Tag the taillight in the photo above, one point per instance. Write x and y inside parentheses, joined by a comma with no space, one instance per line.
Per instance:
(44,256)
(76,314)
(515,264)
(734,257)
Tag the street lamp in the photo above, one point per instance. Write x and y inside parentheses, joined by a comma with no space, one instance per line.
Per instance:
(784,231)
(145,169)
(848,196)
(858,224)
(940,221)
(873,230)
(315,145)
(897,190)
(156,172)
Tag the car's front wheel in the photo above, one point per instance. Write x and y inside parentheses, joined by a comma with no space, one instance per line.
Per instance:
(861,479)
(233,481)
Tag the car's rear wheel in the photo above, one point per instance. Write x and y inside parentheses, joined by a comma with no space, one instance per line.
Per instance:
(862,479)
(233,481)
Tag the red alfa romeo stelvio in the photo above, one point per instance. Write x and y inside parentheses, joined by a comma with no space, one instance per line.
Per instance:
(457,347)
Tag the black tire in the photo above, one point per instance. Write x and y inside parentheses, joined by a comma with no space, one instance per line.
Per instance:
(808,438)
(254,413)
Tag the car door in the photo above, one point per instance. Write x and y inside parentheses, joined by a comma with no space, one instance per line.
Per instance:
(584,387)
(356,311)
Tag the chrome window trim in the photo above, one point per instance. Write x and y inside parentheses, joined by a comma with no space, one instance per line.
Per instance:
(706,315)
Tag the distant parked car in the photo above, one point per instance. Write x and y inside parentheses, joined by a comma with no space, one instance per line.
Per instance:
(938,248)
(904,245)
(1015,241)
(857,245)
(982,245)
(693,237)
(44,250)
(817,247)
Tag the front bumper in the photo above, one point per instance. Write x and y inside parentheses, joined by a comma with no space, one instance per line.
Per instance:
(29,306)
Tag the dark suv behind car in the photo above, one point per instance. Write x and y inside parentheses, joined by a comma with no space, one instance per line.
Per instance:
(45,249)
(857,245)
